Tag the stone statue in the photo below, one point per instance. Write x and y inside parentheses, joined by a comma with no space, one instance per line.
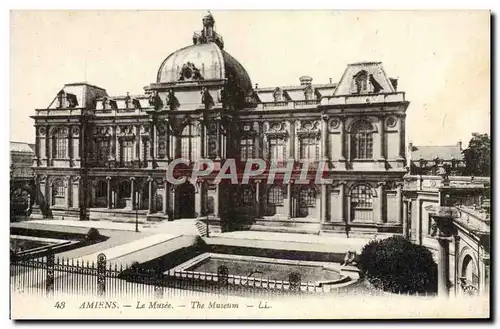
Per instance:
(206,98)
(172,101)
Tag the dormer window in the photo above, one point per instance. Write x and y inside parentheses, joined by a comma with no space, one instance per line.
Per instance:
(278,96)
(308,94)
(360,82)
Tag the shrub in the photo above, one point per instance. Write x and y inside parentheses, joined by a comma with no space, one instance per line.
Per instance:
(93,234)
(399,266)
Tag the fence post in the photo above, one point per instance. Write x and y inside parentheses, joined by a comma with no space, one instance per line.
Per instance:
(49,282)
(222,276)
(158,283)
(295,281)
(101,274)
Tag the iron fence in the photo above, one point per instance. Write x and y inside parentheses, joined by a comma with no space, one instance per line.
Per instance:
(52,276)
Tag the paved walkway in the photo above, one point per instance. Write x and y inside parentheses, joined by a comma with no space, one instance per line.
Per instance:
(284,240)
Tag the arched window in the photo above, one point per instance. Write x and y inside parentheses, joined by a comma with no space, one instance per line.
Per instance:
(190,140)
(362,140)
(362,203)
(275,195)
(361,82)
(60,142)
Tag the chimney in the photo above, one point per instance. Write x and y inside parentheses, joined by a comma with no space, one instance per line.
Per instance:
(305,80)
(394,82)
(256,86)
(330,80)
(459,144)
(410,146)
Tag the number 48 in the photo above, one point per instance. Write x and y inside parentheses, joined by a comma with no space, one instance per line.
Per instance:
(60,305)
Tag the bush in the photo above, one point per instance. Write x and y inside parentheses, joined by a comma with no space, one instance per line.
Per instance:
(93,234)
(399,266)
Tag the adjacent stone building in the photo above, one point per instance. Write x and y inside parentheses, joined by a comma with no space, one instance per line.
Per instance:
(450,215)
(427,160)
(21,178)
(103,156)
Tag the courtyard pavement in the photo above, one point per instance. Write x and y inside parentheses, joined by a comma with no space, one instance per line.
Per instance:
(260,239)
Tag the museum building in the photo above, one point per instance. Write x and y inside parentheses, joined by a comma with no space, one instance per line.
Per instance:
(105,157)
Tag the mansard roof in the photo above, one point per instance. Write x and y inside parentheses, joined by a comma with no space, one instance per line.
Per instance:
(443,152)
(376,74)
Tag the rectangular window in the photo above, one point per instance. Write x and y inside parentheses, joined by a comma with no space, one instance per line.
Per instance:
(277,149)
(247,148)
(127,152)
(60,148)
(309,148)
(275,196)
(102,150)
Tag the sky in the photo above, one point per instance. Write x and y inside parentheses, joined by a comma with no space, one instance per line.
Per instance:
(442,58)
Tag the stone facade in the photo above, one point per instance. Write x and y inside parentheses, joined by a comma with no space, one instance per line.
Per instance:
(102,156)
(463,203)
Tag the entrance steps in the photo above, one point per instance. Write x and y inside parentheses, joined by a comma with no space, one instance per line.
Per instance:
(286,226)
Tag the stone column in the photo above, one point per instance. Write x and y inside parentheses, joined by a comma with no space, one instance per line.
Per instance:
(153,151)
(257,198)
(324,203)
(150,196)
(289,197)
(342,200)
(197,198)
(108,194)
(381,128)
(217,199)
(202,140)
(166,193)
(132,192)
(257,140)
(399,197)
(405,219)
(381,197)
(324,137)
(219,146)
(67,186)
(349,209)
(292,154)
(343,154)
(443,266)
(138,146)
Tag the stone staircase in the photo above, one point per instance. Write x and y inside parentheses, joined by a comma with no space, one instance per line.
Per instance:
(286,226)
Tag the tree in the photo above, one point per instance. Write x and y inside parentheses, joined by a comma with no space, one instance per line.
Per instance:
(477,155)
(399,266)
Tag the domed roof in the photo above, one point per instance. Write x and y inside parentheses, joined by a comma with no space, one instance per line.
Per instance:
(203,61)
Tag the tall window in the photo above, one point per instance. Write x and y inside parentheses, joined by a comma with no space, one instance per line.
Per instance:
(101,189)
(247,148)
(60,142)
(275,195)
(362,140)
(58,192)
(309,148)
(277,149)
(362,197)
(361,82)
(127,151)
(102,150)
(307,197)
(308,94)
(190,140)
(247,195)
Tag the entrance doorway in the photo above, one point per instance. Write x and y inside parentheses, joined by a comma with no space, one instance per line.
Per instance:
(185,201)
